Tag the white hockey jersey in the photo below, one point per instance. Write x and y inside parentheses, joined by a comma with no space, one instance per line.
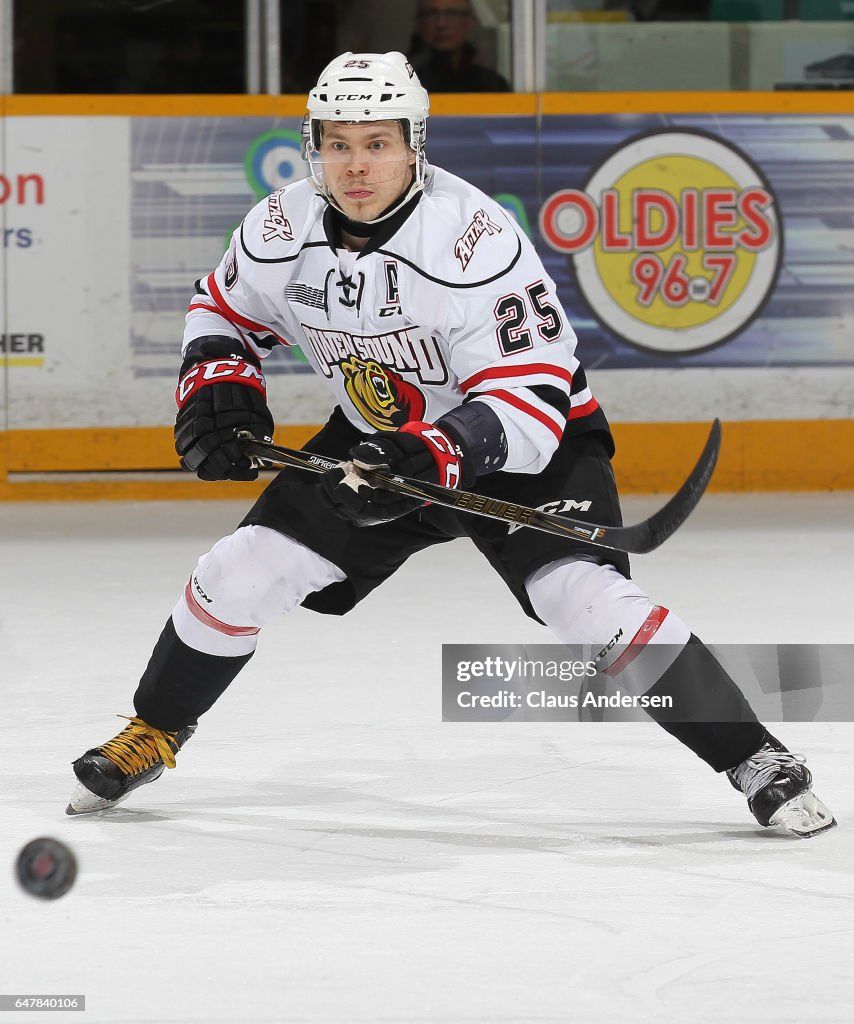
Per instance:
(448,302)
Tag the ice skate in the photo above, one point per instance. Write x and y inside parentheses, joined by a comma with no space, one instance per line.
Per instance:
(778,787)
(108,774)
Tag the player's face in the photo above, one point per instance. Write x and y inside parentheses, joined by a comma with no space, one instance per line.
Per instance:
(366,166)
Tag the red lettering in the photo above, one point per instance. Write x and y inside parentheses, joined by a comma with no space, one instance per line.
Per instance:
(644,203)
(20,183)
(752,205)
(559,203)
(690,220)
(613,240)
(723,267)
(719,212)
(38,181)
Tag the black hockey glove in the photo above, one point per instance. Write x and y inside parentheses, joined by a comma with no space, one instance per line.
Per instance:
(418,450)
(221,391)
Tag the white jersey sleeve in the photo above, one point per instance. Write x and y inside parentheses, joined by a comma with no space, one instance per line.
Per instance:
(511,344)
(241,298)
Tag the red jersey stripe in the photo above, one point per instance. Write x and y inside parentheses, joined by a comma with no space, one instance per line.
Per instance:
(201,305)
(235,317)
(526,407)
(497,372)
(583,410)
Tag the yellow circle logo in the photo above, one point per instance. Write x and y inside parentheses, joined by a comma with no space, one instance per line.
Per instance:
(676,240)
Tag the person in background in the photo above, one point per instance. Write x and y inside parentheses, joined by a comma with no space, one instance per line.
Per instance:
(441,51)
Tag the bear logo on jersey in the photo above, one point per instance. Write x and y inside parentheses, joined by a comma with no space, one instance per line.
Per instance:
(381,397)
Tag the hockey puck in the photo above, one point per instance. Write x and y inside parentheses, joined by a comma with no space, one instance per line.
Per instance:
(46,868)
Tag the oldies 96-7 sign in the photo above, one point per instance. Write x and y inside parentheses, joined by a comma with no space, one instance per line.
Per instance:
(675,240)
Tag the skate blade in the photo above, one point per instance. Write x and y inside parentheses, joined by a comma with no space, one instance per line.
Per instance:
(804,816)
(85,802)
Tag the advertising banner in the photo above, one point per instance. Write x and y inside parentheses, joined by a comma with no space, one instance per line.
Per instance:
(720,241)
(719,244)
(65,195)
(702,241)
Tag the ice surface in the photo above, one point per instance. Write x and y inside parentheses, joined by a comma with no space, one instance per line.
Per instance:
(328,850)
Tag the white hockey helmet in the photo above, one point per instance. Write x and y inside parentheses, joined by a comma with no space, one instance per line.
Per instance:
(368,87)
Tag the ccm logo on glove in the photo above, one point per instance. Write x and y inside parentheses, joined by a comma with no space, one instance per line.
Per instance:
(446,454)
(219,371)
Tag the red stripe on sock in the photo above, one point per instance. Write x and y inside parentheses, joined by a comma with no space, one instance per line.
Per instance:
(649,627)
(207,619)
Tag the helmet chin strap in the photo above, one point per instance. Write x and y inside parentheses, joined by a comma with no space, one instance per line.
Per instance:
(365,228)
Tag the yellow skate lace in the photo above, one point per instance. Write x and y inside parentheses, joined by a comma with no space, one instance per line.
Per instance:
(138,746)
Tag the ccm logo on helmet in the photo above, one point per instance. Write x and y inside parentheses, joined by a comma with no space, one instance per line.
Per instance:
(353,96)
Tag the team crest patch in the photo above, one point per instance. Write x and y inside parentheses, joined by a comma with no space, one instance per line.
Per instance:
(381,396)
(480,225)
(276,224)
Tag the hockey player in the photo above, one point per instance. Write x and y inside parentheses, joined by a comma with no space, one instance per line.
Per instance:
(434,324)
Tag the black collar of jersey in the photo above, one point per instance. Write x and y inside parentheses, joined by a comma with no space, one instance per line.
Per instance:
(377,234)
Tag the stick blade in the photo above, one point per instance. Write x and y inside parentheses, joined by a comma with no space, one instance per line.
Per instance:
(671,516)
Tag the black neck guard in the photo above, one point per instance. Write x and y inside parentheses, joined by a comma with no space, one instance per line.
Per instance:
(356,228)
(334,222)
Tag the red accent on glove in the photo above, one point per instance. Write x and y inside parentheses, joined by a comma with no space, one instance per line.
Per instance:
(446,454)
(233,370)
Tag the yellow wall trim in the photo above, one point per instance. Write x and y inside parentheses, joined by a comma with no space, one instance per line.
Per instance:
(473,104)
(697,103)
(756,455)
(777,455)
(154,106)
(444,104)
(110,449)
(182,488)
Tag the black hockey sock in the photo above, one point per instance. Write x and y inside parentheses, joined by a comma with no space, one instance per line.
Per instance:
(181,683)
(709,713)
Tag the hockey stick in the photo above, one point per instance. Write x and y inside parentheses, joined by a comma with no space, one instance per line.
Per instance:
(637,539)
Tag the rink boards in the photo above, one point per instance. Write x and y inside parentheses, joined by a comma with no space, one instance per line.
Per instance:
(702,246)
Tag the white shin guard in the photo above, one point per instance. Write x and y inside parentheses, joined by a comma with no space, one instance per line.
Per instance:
(588,604)
(242,583)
